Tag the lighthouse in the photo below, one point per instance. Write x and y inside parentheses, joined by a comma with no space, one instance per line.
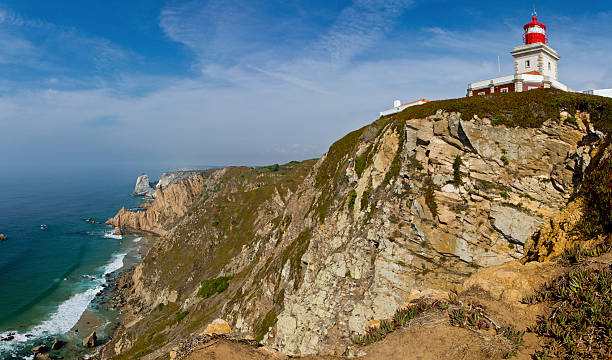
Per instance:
(535,65)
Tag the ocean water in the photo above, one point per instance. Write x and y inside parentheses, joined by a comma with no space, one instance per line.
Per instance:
(48,278)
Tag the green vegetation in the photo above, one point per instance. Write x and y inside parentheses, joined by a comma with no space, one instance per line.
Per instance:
(268,321)
(365,198)
(457,180)
(580,326)
(504,194)
(362,160)
(214,286)
(474,316)
(180,316)
(597,191)
(351,200)
(429,197)
(505,160)
(401,318)
(525,109)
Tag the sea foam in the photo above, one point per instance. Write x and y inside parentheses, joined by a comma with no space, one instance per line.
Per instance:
(67,314)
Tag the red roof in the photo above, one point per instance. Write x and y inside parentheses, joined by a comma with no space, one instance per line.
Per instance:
(533,23)
(412,102)
(532,73)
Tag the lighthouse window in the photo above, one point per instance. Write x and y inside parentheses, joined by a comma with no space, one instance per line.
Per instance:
(527,64)
(549,67)
(504,90)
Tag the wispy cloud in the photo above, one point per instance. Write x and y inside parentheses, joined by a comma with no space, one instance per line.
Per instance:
(359,26)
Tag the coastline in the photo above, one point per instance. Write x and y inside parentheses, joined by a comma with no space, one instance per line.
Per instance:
(70,325)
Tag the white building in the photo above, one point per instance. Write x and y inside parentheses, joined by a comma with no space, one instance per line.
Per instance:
(398,106)
(535,66)
(600,92)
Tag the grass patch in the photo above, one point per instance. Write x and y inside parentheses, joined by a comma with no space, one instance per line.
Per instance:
(262,328)
(429,197)
(214,286)
(361,161)
(597,192)
(504,194)
(580,326)
(351,200)
(457,180)
(180,316)
(474,316)
(365,198)
(401,318)
(505,160)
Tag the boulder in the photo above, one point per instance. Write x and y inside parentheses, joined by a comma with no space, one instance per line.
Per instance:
(516,226)
(143,186)
(57,344)
(3,237)
(117,231)
(40,349)
(218,326)
(40,356)
(91,340)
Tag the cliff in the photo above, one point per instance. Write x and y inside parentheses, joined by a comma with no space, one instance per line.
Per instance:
(305,255)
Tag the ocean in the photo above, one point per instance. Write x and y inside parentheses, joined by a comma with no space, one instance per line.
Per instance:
(49,277)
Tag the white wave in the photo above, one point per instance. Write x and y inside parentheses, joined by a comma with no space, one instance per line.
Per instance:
(137,239)
(67,314)
(115,264)
(110,235)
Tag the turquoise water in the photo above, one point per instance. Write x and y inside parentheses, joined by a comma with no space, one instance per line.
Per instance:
(49,277)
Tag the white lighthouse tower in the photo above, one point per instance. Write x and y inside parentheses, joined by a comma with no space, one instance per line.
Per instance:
(535,66)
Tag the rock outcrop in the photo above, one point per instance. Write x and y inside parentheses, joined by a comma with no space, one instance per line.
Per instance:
(91,340)
(143,186)
(40,349)
(57,344)
(218,326)
(3,237)
(313,252)
(169,178)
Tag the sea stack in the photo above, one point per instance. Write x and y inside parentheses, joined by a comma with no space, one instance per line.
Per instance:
(143,186)
(91,340)
(3,237)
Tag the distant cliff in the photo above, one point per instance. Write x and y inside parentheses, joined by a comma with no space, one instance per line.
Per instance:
(311,252)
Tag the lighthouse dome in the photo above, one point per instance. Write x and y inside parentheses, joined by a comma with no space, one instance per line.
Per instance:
(535,32)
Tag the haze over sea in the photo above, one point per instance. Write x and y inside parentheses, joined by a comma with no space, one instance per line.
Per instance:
(44,283)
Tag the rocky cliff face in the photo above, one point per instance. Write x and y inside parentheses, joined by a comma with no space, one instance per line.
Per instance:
(143,186)
(311,252)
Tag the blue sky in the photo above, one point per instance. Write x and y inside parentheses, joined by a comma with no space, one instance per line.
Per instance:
(253,82)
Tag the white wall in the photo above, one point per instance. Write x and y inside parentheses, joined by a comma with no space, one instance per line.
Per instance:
(553,66)
(522,66)
(603,92)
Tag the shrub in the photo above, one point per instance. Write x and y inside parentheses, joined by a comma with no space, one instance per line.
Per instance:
(352,198)
(275,167)
(214,286)
(503,194)
(456,173)
(597,190)
(180,316)
(505,160)
(579,327)
(429,197)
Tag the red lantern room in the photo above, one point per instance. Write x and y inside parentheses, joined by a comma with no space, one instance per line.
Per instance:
(535,32)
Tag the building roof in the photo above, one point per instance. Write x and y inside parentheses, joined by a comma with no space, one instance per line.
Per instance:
(412,102)
(532,73)
(534,22)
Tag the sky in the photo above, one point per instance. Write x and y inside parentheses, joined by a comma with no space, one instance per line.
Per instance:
(228,82)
